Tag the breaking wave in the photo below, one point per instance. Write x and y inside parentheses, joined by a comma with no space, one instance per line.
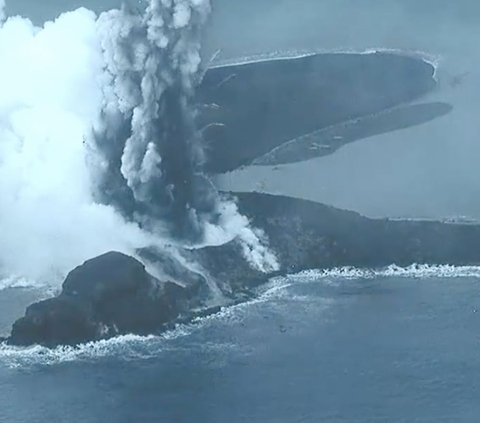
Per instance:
(13,282)
(134,347)
(420,271)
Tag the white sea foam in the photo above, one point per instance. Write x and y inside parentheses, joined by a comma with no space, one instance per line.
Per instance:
(419,271)
(17,282)
(134,347)
(125,348)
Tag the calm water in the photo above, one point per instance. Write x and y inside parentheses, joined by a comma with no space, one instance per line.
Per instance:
(394,349)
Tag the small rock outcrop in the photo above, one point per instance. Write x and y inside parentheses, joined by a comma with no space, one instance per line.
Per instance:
(107,295)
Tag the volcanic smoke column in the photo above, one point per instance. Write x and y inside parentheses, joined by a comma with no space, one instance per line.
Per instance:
(148,150)
(152,154)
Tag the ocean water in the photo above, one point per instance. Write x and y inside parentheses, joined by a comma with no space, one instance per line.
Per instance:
(397,345)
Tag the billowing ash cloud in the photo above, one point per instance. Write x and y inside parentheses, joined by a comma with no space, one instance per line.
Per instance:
(152,62)
(150,149)
(131,78)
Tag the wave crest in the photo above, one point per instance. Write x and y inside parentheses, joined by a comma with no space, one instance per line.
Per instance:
(420,271)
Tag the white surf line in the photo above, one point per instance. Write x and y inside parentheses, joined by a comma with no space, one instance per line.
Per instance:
(12,282)
(417,271)
(433,59)
(132,347)
(128,345)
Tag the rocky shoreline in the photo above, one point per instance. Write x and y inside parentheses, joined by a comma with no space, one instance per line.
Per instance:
(268,112)
(113,294)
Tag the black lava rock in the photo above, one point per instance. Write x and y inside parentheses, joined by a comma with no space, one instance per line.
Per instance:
(107,295)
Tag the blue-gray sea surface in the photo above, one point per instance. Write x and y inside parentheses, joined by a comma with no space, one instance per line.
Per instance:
(372,348)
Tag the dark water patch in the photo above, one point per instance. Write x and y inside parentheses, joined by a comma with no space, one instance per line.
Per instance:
(329,140)
(264,104)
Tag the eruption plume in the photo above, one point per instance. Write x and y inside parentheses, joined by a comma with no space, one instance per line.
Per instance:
(68,192)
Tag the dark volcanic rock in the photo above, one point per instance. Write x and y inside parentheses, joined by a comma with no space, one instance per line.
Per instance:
(306,235)
(113,294)
(108,295)
(59,320)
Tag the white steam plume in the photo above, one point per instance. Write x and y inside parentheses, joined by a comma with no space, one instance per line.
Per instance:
(50,97)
